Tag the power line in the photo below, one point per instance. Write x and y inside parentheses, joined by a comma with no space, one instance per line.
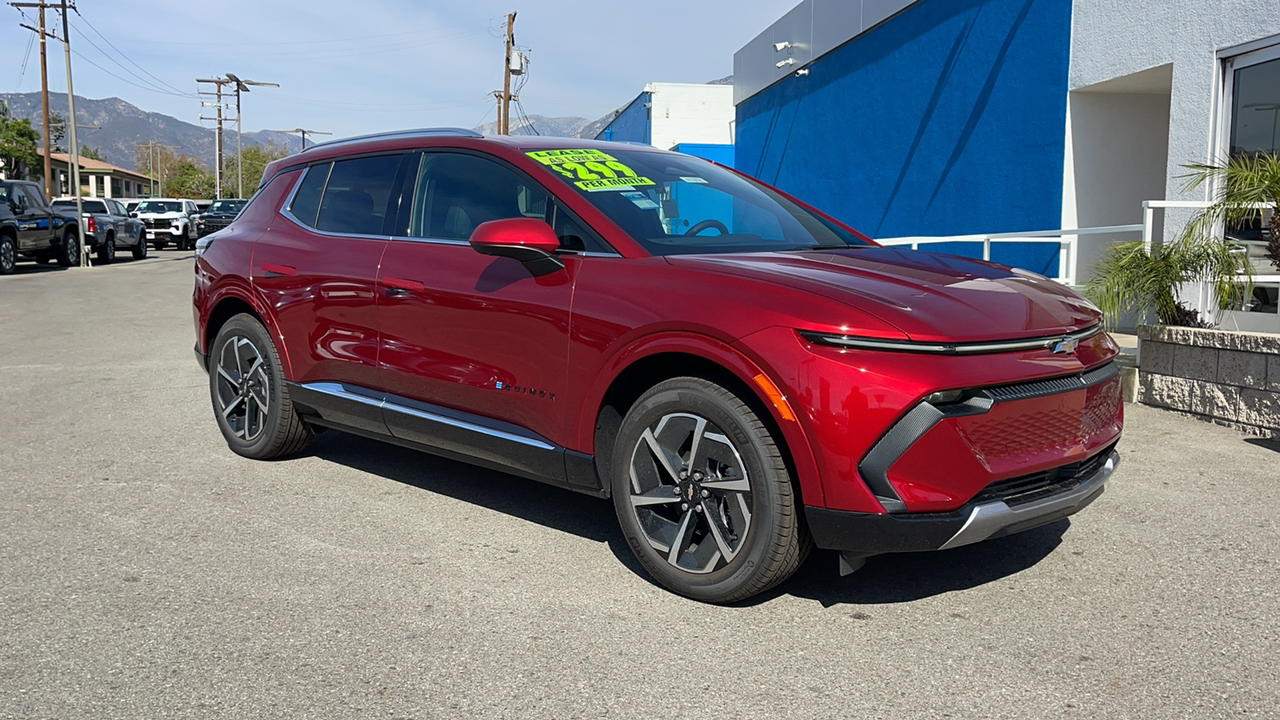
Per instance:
(21,73)
(121,52)
(148,84)
(126,80)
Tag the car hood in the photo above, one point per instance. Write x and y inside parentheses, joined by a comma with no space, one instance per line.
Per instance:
(928,296)
(219,216)
(162,216)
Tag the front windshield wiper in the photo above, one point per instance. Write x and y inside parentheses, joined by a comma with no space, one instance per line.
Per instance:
(824,247)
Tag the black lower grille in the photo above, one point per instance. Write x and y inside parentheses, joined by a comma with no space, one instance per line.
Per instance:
(1025,489)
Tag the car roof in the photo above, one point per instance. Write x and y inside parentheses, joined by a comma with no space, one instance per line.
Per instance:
(438,137)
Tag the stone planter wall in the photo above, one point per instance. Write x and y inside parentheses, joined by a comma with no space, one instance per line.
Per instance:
(1229,378)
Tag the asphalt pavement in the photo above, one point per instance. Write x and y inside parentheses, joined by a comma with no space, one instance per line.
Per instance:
(148,572)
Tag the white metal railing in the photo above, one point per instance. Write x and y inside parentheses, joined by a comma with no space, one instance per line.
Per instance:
(1067,239)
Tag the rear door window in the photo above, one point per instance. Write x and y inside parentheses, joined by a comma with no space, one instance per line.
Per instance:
(359,194)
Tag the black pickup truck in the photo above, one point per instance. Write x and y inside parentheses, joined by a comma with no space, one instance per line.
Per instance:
(29,228)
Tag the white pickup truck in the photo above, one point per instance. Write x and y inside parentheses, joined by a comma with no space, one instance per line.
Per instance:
(169,220)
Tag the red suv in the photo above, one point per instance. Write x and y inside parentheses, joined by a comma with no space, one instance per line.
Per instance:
(743,375)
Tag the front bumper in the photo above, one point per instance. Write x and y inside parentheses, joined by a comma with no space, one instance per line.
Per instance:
(876,533)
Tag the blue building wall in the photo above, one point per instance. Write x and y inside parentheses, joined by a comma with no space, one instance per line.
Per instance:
(632,124)
(948,119)
(723,154)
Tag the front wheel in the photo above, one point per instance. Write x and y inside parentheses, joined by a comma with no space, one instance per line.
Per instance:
(703,494)
(140,249)
(250,401)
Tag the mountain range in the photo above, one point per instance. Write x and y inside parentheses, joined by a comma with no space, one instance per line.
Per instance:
(115,127)
(121,127)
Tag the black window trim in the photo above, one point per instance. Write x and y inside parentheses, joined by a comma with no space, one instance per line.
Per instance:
(556,202)
(285,209)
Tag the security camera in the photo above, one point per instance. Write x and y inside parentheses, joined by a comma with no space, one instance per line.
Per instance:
(788,61)
(780,46)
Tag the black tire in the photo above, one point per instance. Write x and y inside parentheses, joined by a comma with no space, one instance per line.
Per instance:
(158,245)
(8,254)
(43,258)
(69,253)
(107,251)
(741,535)
(278,431)
(140,248)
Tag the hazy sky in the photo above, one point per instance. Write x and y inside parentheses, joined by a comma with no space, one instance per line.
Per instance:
(371,65)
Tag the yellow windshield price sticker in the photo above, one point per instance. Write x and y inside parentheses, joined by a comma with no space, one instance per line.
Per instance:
(591,170)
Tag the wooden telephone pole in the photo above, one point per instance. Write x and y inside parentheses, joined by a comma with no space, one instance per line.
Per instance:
(42,32)
(504,117)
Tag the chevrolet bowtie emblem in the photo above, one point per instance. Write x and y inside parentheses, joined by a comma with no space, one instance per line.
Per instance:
(1066,346)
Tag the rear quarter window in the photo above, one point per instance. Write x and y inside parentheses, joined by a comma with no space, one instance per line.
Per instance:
(306,201)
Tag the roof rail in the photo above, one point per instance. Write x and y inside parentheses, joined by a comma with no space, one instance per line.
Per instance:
(420,132)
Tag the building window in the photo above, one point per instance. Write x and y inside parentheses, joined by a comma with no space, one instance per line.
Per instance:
(1252,92)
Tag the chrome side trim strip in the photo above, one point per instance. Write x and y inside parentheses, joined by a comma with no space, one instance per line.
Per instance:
(987,519)
(339,390)
(862,343)
(464,425)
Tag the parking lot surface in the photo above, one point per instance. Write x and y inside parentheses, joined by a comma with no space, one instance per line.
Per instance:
(150,573)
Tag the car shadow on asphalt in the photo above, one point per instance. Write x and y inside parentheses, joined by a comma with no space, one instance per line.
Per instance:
(885,579)
(906,577)
(546,505)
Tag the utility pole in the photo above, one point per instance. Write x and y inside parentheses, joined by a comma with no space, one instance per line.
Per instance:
(504,118)
(44,102)
(242,86)
(303,133)
(44,93)
(75,144)
(217,140)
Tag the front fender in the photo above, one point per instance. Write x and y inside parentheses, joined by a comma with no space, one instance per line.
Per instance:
(724,355)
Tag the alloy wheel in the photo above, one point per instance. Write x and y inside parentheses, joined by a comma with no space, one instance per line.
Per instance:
(8,257)
(243,388)
(690,493)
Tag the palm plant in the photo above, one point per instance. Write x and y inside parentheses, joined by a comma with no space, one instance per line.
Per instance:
(1245,185)
(1130,277)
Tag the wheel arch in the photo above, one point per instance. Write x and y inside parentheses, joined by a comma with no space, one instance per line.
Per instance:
(227,305)
(656,359)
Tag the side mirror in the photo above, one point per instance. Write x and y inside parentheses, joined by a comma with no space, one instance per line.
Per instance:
(529,240)
(133,215)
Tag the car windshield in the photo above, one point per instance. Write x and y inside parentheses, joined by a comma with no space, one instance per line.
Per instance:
(677,204)
(90,206)
(154,206)
(227,206)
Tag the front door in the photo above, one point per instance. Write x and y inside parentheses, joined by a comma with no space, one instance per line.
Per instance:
(468,332)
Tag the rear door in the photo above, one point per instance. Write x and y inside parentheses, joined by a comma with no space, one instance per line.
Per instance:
(317,269)
(473,333)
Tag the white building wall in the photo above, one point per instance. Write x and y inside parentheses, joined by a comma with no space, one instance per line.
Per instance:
(1115,38)
(690,113)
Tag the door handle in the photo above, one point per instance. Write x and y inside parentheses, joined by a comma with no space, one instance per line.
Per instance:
(273,270)
(395,287)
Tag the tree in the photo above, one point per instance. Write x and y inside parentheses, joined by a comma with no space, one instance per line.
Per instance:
(256,159)
(89,153)
(18,148)
(57,130)
(190,181)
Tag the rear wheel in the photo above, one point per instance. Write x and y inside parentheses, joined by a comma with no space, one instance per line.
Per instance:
(107,251)
(69,253)
(703,494)
(8,254)
(250,400)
